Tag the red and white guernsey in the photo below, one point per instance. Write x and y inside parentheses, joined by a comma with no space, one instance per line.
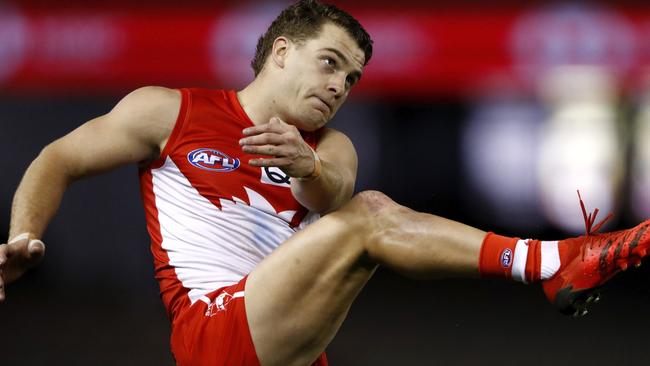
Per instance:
(211,216)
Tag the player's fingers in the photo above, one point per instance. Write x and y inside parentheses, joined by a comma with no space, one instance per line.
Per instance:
(17,245)
(31,251)
(3,255)
(271,150)
(277,162)
(262,139)
(3,260)
(267,127)
(2,289)
(35,251)
(278,121)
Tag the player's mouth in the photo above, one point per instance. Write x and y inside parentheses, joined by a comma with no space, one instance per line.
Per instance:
(323,106)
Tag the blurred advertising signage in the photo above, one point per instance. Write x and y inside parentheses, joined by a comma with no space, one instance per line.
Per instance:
(417,53)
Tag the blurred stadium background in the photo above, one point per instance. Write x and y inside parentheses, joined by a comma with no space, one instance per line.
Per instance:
(491,114)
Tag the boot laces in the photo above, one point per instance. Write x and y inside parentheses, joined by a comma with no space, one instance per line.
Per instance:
(590,229)
(591,218)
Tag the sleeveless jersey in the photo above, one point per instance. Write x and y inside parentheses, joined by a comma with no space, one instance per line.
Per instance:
(211,216)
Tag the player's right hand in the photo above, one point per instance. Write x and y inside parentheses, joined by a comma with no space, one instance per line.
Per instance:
(16,257)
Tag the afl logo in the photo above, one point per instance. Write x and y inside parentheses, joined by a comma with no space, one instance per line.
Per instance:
(506,258)
(210,159)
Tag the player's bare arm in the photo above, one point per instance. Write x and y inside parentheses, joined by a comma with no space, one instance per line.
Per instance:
(322,180)
(134,131)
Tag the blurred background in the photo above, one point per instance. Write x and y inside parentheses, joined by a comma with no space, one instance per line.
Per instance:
(490,114)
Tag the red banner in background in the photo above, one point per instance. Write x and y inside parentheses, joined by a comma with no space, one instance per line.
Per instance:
(418,53)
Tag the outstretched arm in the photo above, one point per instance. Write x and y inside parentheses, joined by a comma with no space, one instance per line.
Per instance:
(134,131)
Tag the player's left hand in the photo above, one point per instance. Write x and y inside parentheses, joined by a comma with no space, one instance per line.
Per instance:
(284,146)
(16,257)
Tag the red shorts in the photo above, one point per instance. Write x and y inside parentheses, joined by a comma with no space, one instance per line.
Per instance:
(217,334)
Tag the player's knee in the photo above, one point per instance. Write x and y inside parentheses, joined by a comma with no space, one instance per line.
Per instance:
(383,222)
(374,211)
(369,213)
(366,216)
(371,201)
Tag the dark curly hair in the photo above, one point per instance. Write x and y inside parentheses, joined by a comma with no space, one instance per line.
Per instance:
(304,20)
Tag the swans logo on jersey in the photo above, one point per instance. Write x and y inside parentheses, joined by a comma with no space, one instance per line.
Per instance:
(275,176)
(219,304)
(210,159)
(506,258)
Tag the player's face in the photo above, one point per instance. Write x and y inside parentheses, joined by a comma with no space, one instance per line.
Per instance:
(320,73)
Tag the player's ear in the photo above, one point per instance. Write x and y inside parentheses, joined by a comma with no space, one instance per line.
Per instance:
(279,51)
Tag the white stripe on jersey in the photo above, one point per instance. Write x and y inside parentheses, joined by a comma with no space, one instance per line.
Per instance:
(208,247)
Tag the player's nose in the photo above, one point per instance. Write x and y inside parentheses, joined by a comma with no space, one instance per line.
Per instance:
(337,84)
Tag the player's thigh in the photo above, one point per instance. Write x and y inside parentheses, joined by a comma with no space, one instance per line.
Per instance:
(298,296)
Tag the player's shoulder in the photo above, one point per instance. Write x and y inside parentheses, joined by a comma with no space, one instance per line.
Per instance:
(149,103)
(336,143)
(156,95)
(153,97)
(156,91)
(334,135)
(222,98)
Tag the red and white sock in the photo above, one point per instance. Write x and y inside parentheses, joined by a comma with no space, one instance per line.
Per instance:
(518,259)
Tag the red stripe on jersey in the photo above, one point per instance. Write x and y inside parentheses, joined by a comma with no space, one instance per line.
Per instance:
(181,119)
(172,292)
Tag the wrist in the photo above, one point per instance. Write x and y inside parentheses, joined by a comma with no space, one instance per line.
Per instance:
(317,168)
(22,236)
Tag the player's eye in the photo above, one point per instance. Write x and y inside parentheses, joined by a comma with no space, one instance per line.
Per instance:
(329,62)
(350,80)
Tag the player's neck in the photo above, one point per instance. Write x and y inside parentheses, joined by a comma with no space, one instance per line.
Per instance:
(259,102)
